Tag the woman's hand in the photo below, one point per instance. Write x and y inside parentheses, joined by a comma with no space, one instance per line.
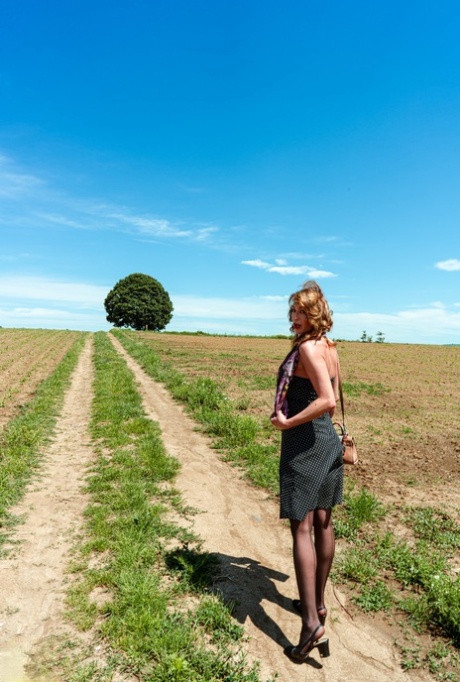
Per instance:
(279,421)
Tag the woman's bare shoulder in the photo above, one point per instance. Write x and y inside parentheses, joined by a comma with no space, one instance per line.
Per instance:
(313,349)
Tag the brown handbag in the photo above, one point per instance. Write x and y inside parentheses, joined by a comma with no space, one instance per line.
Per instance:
(350,453)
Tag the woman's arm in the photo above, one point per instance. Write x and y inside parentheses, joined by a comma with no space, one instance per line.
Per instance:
(312,357)
(336,383)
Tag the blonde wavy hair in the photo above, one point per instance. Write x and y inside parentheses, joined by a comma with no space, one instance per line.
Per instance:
(312,301)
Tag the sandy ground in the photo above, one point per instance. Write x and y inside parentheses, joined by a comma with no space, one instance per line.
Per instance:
(235,521)
(32,577)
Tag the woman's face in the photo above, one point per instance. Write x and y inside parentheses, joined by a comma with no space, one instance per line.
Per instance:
(299,319)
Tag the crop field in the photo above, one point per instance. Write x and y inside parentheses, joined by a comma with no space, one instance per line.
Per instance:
(27,356)
(401,401)
(399,525)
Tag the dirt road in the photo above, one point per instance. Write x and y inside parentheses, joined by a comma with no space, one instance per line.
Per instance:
(235,521)
(32,577)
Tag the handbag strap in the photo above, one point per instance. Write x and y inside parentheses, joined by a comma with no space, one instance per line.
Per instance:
(342,403)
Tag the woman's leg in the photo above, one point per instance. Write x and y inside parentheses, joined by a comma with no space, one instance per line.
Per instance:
(325,548)
(305,571)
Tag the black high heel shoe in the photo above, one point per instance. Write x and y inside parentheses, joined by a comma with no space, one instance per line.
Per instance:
(322,610)
(300,653)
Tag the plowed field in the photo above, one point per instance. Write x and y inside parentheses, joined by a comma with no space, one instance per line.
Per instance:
(27,356)
(401,404)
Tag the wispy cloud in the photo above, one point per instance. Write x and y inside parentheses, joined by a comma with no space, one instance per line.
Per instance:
(160,227)
(192,190)
(324,239)
(14,183)
(32,201)
(251,307)
(62,220)
(450,265)
(422,325)
(52,290)
(52,303)
(149,227)
(281,268)
(16,257)
(257,263)
(60,304)
(298,255)
(268,315)
(52,318)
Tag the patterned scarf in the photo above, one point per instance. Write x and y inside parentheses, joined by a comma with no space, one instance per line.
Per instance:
(285,374)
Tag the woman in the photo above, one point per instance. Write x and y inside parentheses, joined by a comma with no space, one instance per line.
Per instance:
(311,466)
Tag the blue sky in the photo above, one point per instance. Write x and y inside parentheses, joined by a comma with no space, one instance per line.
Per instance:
(232,150)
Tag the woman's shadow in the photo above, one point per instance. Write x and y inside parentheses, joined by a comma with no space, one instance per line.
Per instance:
(245,584)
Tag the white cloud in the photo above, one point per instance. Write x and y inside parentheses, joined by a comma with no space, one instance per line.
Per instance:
(191,190)
(40,302)
(33,202)
(259,316)
(14,258)
(324,239)
(203,233)
(228,308)
(38,314)
(257,263)
(432,324)
(289,269)
(46,289)
(73,305)
(451,265)
(15,184)
(267,315)
(51,318)
(282,269)
(150,227)
(64,221)
(297,255)
(320,274)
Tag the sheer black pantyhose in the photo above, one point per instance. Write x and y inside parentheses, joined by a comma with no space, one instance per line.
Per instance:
(325,549)
(313,556)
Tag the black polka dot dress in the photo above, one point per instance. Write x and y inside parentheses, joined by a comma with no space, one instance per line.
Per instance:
(311,466)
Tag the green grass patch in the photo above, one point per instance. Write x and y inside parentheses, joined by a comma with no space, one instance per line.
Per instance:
(383,571)
(435,527)
(374,596)
(358,564)
(354,389)
(358,509)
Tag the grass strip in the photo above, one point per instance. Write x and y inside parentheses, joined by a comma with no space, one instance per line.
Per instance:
(23,437)
(158,613)
(239,437)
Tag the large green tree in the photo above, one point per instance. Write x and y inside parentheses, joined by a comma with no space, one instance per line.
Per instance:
(140,302)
